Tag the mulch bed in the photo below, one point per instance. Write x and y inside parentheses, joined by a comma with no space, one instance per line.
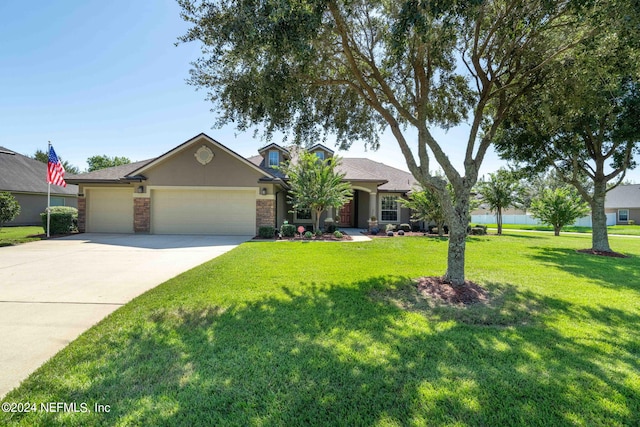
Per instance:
(440,289)
(328,237)
(382,234)
(602,253)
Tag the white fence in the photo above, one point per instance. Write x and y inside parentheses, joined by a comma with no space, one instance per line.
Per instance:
(529,220)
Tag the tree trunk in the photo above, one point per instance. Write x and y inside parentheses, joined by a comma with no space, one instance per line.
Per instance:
(599,232)
(556,230)
(458,223)
(318,213)
(499,220)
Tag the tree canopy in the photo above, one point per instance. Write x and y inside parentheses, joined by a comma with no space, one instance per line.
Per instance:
(350,69)
(103,161)
(584,123)
(559,207)
(501,191)
(315,184)
(425,205)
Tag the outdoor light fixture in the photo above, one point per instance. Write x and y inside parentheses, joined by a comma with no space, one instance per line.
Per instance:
(141,189)
(263,191)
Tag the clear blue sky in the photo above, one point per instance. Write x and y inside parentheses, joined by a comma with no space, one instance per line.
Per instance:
(105,77)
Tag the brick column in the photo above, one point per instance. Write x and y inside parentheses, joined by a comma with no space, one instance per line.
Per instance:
(265,213)
(141,215)
(82,214)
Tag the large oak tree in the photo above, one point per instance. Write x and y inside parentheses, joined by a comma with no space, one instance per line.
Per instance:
(351,69)
(584,124)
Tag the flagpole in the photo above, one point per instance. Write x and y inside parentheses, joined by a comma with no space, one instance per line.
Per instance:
(48,192)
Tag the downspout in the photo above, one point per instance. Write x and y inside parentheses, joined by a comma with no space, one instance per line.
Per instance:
(275,219)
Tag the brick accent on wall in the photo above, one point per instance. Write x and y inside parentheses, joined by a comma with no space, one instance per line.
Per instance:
(141,215)
(82,214)
(265,213)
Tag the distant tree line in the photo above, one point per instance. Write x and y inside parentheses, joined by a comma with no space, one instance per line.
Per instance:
(95,163)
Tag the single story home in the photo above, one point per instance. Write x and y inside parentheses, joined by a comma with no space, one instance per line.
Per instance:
(203,187)
(26,179)
(624,202)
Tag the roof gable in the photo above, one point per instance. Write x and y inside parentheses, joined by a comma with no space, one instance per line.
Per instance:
(320,147)
(139,170)
(273,146)
(196,140)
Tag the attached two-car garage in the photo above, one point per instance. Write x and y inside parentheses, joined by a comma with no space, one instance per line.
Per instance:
(175,211)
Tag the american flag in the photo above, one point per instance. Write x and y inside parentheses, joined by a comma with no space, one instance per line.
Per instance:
(55,171)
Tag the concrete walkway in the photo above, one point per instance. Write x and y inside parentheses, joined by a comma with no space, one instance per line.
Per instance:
(53,290)
(356,235)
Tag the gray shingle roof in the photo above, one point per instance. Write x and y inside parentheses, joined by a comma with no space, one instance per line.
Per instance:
(397,179)
(114,173)
(23,174)
(355,169)
(623,196)
(362,169)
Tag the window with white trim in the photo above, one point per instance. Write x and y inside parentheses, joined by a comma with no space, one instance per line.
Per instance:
(274,158)
(389,208)
(623,215)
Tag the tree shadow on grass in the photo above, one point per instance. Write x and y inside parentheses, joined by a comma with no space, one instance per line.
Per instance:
(342,354)
(612,272)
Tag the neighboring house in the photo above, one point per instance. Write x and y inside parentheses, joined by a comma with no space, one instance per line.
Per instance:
(203,187)
(26,179)
(624,202)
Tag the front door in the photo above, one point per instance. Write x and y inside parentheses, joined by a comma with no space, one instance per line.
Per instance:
(345,214)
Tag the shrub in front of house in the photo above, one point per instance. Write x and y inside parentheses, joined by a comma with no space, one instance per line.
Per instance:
(330,227)
(308,235)
(266,232)
(390,227)
(318,233)
(288,230)
(64,219)
(337,234)
(404,227)
(375,230)
(9,207)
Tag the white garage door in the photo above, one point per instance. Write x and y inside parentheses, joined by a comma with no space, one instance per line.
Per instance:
(230,212)
(110,210)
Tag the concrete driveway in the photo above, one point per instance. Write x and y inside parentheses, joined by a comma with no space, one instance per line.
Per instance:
(53,290)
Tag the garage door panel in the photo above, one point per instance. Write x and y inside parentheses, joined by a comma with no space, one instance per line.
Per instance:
(203,212)
(110,211)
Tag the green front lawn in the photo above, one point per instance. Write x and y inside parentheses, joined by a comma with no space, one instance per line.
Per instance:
(302,333)
(628,230)
(15,235)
